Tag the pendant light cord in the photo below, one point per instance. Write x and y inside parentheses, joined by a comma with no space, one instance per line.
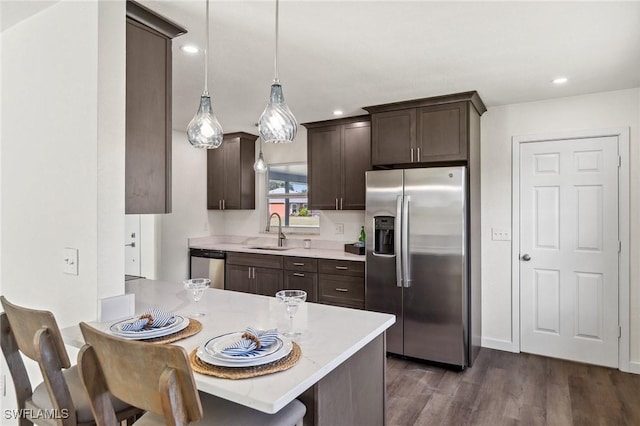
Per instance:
(276,80)
(206,57)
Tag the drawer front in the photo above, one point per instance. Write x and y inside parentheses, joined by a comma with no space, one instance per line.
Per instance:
(304,264)
(256,260)
(341,290)
(307,281)
(341,267)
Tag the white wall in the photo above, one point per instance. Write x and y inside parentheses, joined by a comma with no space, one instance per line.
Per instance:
(63,157)
(499,125)
(188,217)
(111,146)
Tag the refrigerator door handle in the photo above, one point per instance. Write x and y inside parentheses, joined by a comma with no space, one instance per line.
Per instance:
(398,242)
(405,241)
(382,255)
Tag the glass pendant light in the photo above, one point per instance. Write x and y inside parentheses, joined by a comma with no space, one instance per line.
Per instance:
(204,130)
(260,166)
(277,124)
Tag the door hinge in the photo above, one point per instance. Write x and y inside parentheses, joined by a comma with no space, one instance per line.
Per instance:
(619,331)
(619,246)
(619,161)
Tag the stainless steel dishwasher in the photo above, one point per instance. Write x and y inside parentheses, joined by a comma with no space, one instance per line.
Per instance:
(205,263)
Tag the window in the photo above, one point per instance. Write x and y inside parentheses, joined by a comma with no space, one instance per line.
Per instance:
(287,195)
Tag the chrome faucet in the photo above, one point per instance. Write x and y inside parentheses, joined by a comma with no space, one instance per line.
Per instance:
(281,236)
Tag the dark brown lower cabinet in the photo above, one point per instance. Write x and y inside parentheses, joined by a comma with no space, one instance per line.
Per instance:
(341,283)
(268,281)
(254,273)
(239,279)
(333,282)
(341,290)
(307,281)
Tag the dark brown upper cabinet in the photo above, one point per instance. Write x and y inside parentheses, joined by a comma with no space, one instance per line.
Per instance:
(231,181)
(423,131)
(338,154)
(148,110)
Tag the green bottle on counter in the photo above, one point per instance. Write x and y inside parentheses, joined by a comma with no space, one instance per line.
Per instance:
(363,237)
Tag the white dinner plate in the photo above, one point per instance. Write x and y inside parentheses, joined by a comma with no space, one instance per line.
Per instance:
(178,325)
(215,347)
(286,348)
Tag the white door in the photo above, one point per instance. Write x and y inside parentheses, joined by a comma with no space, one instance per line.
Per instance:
(132,244)
(569,233)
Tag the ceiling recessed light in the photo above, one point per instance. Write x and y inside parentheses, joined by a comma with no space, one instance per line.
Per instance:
(338,112)
(560,80)
(189,48)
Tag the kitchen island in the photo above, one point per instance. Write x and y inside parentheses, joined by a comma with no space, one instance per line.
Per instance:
(340,376)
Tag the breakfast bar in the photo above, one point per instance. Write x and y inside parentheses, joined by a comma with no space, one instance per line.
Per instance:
(340,375)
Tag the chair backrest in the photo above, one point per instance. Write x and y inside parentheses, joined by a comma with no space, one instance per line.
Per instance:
(26,322)
(35,334)
(155,378)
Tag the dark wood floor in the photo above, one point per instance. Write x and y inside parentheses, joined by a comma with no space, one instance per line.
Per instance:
(504,388)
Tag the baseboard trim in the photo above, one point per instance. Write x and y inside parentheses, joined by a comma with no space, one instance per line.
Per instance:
(500,345)
(634,367)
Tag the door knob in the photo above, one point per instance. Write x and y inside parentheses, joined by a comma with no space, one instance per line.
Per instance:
(133,244)
(526,257)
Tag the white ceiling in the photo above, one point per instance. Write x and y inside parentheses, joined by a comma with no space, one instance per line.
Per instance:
(350,54)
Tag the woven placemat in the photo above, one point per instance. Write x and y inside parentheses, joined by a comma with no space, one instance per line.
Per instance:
(234,373)
(194,327)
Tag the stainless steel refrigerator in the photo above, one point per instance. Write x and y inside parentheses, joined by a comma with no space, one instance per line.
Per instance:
(418,265)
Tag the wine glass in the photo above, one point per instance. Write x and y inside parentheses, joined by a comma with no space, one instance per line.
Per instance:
(197,286)
(291,299)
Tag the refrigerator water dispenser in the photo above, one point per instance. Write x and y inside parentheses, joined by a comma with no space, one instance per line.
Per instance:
(383,235)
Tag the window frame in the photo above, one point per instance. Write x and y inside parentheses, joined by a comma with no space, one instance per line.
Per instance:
(286,196)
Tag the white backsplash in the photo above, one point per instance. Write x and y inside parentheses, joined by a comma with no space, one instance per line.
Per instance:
(249,223)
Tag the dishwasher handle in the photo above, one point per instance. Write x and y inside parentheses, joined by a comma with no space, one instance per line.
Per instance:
(209,254)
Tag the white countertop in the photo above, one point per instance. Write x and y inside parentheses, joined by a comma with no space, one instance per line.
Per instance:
(318,253)
(330,335)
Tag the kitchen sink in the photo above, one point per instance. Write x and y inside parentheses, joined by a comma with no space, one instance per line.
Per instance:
(268,248)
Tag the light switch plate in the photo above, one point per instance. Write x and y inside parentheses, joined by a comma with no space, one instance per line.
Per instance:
(500,234)
(70,259)
(339,228)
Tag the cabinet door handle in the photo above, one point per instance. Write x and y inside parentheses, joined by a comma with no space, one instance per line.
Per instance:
(249,270)
(298,274)
(342,268)
(418,149)
(298,264)
(340,203)
(412,155)
(342,290)
(254,273)
(219,204)
(223,207)
(336,204)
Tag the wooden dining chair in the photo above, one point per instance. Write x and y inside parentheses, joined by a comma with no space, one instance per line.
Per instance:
(159,380)
(61,398)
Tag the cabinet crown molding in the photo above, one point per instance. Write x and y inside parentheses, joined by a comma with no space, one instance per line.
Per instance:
(151,19)
(366,118)
(471,97)
(242,135)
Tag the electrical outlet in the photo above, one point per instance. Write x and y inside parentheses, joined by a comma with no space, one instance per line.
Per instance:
(500,234)
(70,259)
(339,228)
